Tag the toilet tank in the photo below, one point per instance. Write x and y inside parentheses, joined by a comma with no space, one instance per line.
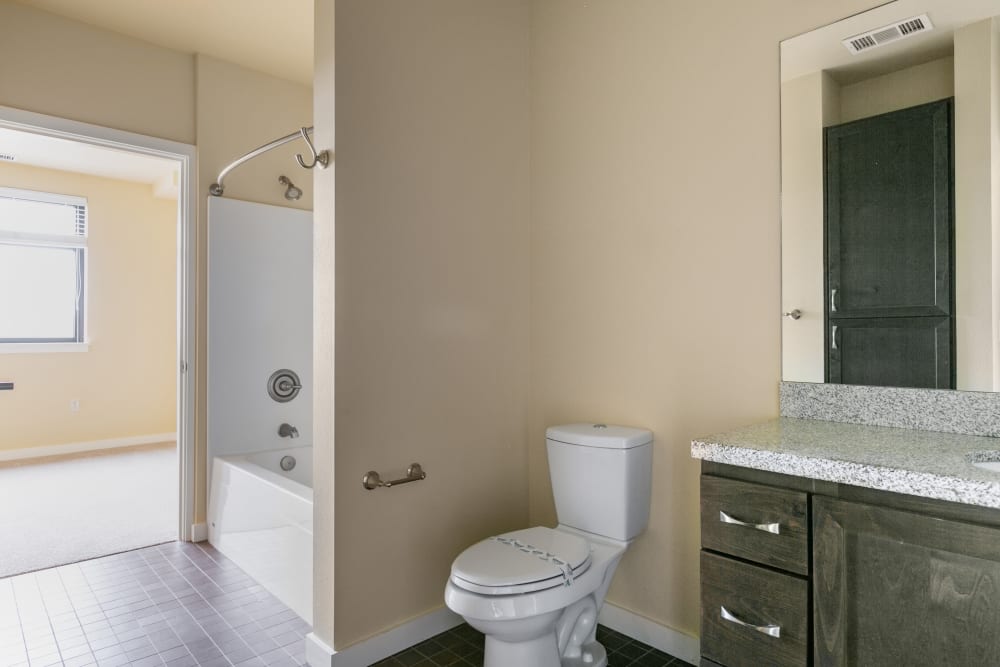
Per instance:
(601,477)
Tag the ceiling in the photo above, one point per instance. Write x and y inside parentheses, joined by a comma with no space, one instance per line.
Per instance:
(821,49)
(270,36)
(76,156)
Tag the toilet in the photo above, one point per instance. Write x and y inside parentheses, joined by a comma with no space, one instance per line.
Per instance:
(536,593)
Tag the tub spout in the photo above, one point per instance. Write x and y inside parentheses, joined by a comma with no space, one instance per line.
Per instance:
(288,431)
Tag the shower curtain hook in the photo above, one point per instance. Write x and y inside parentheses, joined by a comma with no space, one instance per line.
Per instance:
(322,158)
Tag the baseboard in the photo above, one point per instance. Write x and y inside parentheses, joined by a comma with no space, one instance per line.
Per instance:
(199,532)
(674,642)
(78,447)
(379,647)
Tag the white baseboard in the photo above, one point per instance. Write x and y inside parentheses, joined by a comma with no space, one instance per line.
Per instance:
(199,532)
(379,647)
(91,446)
(676,643)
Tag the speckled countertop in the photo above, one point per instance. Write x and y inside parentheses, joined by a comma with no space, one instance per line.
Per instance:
(919,463)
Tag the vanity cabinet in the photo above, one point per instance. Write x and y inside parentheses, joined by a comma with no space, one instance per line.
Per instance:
(897,588)
(887,579)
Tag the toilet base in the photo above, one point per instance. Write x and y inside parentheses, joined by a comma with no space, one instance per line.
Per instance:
(540,652)
(594,651)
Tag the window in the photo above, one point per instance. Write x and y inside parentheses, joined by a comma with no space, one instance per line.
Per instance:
(43,246)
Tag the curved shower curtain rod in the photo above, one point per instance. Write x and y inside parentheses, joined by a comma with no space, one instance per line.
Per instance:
(321,159)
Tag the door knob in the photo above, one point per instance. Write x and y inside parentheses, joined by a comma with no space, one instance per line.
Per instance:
(795,314)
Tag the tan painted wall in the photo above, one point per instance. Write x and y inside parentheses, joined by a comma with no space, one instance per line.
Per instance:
(655,244)
(432,125)
(56,66)
(126,381)
(977,214)
(107,79)
(927,82)
(324,288)
(808,104)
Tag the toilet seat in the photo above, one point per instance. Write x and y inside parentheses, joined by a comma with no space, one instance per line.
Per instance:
(522,561)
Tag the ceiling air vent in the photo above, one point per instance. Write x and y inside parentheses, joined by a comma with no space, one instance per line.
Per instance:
(6,157)
(893,32)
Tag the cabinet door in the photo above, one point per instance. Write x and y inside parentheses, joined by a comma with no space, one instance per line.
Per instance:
(893,588)
(889,249)
(892,352)
(889,214)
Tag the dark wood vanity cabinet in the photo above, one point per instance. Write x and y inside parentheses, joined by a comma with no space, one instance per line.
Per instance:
(889,579)
(898,588)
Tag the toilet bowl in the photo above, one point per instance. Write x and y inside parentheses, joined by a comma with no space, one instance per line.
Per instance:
(536,593)
(540,616)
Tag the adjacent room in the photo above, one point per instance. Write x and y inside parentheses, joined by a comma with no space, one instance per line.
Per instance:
(88,351)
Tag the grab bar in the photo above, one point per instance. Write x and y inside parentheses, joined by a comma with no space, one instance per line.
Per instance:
(372,480)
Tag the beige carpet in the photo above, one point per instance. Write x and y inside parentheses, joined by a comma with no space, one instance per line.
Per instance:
(58,511)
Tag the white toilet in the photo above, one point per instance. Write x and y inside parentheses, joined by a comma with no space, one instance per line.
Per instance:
(536,593)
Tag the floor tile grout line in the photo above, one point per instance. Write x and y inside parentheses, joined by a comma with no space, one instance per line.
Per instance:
(182,604)
(228,625)
(72,602)
(48,617)
(200,569)
(20,621)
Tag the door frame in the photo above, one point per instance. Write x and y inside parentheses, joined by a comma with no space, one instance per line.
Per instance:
(184,155)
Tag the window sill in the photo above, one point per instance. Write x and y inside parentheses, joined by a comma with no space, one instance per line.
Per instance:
(36,348)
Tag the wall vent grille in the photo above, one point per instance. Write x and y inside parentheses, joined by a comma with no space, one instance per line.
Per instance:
(6,157)
(887,34)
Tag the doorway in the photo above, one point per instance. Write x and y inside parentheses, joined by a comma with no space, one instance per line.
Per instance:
(58,337)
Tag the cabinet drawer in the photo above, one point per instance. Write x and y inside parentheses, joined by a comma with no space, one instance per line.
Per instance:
(756,522)
(741,604)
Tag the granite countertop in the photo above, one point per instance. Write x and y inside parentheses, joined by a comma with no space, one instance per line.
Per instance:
(919,463)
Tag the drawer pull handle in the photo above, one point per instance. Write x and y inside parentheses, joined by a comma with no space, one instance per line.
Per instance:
(766,527)
(769,630)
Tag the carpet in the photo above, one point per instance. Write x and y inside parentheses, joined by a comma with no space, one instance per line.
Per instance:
(63,510)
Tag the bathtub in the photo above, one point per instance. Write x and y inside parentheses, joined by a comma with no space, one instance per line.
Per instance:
(261,518)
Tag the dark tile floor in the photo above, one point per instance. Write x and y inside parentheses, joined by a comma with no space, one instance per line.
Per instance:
(463,646)
(176,604)
(183,604)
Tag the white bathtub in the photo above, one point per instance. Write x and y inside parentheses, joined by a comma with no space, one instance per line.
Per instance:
(261,518)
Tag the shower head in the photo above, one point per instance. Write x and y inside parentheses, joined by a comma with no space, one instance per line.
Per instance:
(292,193)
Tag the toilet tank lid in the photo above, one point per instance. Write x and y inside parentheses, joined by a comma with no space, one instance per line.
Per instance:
(599,435)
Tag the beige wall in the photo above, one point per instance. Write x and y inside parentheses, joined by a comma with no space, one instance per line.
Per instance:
(927,82)
(655,244)
(651,257)
(126,381)
(52,65)
(56,66)
(808,104)
(324,288)
(432,125)
(977,211)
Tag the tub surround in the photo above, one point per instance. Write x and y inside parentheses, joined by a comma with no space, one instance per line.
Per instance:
(968,412)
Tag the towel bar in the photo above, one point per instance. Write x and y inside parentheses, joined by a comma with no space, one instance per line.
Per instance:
(372,480)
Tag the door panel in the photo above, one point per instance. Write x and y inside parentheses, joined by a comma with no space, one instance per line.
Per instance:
(893,588)
(889,249)
(891,351)
(889,214)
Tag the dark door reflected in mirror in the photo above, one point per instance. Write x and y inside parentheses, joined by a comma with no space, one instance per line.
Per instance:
(891,202)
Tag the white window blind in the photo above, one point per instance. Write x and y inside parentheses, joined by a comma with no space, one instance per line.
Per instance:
(43,241)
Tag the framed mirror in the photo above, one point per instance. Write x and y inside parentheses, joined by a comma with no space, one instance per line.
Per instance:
(890,201)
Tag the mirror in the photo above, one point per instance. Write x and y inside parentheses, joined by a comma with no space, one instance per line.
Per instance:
(890,201)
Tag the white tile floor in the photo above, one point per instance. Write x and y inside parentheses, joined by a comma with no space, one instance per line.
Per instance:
(58,511)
